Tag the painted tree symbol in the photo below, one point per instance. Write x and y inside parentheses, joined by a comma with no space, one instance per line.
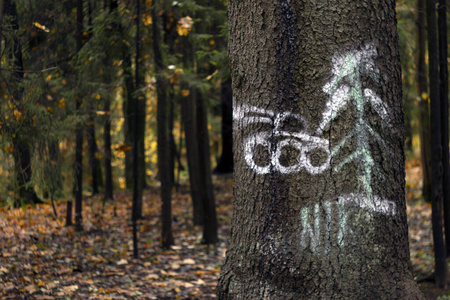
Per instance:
(351,66)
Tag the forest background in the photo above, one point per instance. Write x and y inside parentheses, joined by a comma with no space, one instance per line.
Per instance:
(92,93)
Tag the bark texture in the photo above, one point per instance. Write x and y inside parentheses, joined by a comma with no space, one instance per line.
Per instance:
(319,209)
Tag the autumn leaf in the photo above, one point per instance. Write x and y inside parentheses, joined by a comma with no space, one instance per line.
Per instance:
(147,19)
(123,148)
(185,93)
(42,27)
(62,103)
(184,26)
(17,114)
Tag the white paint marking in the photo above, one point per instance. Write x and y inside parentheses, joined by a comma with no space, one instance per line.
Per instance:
(244,115)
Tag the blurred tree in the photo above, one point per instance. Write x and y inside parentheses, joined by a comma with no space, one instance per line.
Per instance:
(164,141)
(436,148)
(443,93)
(78,186)
(21,146)
(422,89)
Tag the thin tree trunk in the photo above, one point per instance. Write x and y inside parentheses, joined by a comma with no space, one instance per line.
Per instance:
(443,93)
(422,89)
(140,116)
(192,155)
(79,134)
(164,142)
(130,115)
(93,149)
(173,147)
(91,139)
(108,153)
(137,186)
(108,194)
(207,193)
(436,149)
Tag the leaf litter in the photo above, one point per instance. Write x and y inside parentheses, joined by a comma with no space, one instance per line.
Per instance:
(40,258)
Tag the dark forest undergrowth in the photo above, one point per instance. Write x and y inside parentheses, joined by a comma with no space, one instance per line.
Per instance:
(42,259)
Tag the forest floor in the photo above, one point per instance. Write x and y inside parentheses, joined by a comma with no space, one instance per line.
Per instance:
(42,259)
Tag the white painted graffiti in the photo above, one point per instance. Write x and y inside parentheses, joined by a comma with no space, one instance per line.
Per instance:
(345,86)
(329,222)
(350,70)
(303,142)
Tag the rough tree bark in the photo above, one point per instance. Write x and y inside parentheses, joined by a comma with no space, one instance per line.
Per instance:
(436,148)
(319,210)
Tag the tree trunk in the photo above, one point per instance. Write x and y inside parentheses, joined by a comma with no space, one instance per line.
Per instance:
(443,93)
(436,148)
(319,209)
(78,187)
(137,186)
(189,120)
(93,149)
(108,195)
(140,116)
(422,89)
(164,141)
(22,149)
(130,115)
(108,153)
(207,192)
(225,164)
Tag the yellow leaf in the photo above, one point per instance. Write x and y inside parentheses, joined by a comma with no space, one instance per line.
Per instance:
(147,19)
(148,3)
(17,114)
(185,93)
(212,42)
(48,78)
(98,155)
(49,109)
(184,25)
(42,27)
(62,103)
(98,97)
(64,82)
(41,284)
(424,96)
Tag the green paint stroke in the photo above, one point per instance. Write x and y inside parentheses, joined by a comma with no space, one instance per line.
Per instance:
(351,66)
